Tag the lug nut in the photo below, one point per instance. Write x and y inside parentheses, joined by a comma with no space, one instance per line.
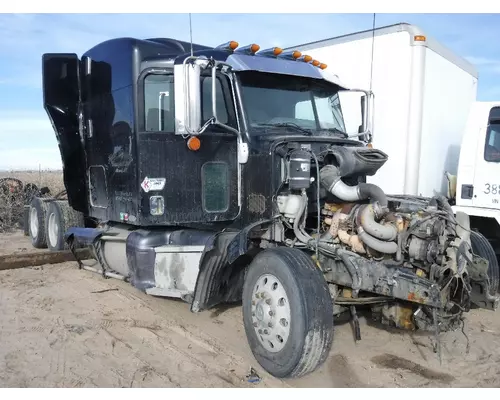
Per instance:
(255,324)
(266,332)
(270,324)
(271,313)
(268,301)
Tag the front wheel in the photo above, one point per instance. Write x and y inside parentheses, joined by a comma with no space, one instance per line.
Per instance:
(287,312)
(482,247)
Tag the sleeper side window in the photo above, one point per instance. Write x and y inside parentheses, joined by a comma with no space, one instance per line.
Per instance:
(215,186)
(159,111)
(492,145)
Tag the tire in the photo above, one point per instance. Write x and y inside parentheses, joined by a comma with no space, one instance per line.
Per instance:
(60,217)
(26,220)
(482,247)
(302,326)
(37,218)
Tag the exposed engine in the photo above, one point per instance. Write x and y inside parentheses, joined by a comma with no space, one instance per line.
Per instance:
(408,258)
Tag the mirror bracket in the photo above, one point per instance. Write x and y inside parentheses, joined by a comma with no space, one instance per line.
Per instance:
(365,131)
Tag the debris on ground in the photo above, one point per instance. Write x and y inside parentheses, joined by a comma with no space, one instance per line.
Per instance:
(14,196)
(253,377)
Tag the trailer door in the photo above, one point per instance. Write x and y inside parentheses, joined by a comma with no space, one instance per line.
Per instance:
(62,102)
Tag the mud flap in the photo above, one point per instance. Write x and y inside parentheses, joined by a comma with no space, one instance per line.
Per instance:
(62,101)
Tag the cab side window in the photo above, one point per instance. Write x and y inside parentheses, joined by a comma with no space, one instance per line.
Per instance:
(492,145)
(159,110)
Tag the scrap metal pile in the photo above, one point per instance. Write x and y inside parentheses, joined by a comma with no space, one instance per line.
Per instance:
(14,196)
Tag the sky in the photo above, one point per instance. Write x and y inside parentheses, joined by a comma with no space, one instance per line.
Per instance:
(27,140)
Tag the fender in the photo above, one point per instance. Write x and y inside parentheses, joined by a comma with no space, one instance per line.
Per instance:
(222,268)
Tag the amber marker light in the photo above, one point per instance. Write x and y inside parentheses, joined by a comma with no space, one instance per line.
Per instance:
(296,54)
(233,45)
(323,66)
(193,143)
(277,51)
(316,63)
(254,48)
(307,58)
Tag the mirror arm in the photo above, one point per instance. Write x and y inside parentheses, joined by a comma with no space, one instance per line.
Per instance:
(369,116)
(214,99)
(187,114)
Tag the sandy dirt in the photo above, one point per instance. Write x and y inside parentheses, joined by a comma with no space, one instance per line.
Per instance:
(65,327)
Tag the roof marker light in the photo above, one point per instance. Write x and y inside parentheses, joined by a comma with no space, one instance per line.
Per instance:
(291,55)
(306,58)
(316,63)
(232,45)
(419,38)
(323,66)
(250,49)
(272,52)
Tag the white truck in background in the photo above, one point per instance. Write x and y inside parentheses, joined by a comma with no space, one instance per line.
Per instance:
(477,183)
(427,120)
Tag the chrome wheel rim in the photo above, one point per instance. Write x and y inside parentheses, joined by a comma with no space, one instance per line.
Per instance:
(33,222)
(53,230)
(271,313)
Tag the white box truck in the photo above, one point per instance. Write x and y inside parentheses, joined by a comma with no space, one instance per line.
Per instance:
(423,93)
(439,139)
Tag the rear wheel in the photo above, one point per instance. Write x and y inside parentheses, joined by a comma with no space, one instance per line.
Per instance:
(60,217)
(287,312)
(37,217)
(482,247)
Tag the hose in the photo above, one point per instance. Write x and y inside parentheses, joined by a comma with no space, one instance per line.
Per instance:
(344,256)
(372,227)
(371,191)
(345,192)
(376,244)
(300,235)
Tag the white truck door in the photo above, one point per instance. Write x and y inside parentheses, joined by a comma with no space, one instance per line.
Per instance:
(486,188)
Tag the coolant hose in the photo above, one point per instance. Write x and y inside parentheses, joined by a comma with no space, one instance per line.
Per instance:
(371,226)
(376,244)
(302,236)
(348,263)
(353,271)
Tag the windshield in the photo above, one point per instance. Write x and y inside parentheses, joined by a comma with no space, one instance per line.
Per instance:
(291,102)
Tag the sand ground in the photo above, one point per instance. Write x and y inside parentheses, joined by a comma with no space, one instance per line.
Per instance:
(65,327)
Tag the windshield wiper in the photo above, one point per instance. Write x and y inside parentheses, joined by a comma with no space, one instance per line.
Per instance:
(336,130)
(287,125)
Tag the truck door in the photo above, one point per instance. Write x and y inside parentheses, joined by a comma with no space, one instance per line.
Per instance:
(487,171)
(62,102)
(195,186)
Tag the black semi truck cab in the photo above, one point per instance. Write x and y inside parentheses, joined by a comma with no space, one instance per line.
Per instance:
(223,174)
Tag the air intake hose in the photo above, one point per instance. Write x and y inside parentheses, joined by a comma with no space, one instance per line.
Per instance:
(330,179)
(373,234)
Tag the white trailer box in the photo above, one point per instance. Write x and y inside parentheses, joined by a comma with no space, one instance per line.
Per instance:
(423,93)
